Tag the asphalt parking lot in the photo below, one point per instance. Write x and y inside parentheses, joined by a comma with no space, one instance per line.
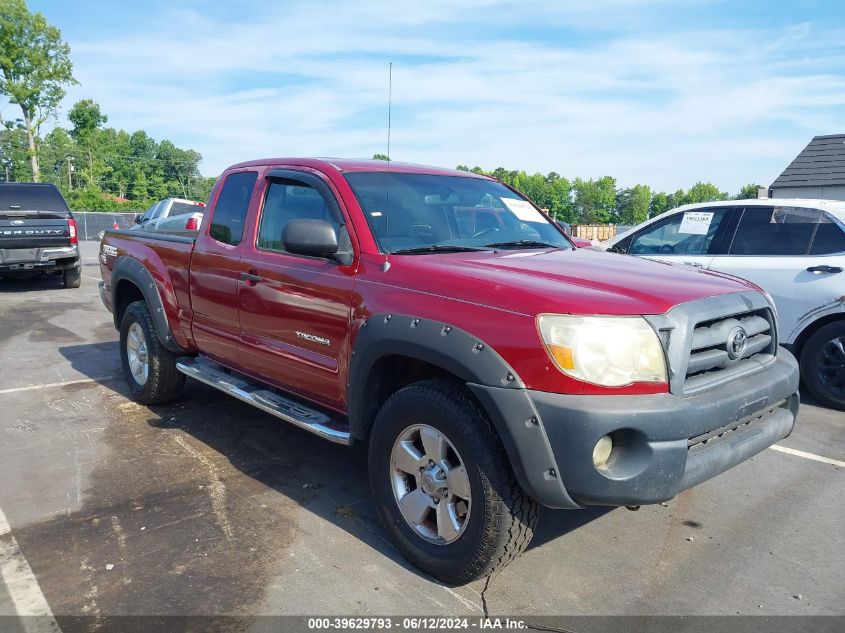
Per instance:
(208,506)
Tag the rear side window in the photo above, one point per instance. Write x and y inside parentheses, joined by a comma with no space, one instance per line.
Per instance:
(229,216)
(687,233)
(829,238)
(288,200)
(775,231)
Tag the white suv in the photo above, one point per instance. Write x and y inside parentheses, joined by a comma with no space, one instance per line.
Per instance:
(793,249)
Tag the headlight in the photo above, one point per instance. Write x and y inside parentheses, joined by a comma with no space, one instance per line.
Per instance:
(609,351)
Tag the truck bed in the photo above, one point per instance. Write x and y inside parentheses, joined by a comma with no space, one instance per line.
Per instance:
(167,258)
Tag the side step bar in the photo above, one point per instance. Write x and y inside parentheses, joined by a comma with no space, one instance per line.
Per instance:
(262,397)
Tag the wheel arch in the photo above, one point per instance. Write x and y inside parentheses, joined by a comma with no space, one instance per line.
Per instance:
(797,346)
(131,281)
(393,350)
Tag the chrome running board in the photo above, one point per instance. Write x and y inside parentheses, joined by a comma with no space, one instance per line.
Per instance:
(264,398)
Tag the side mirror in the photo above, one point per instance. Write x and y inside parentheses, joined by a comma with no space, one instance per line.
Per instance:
(314,238)
(622,246)
(138,217)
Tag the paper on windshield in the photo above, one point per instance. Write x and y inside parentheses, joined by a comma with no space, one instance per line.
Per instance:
(696,222)
(523,210)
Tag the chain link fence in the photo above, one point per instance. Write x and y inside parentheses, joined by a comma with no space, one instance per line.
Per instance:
(90,224)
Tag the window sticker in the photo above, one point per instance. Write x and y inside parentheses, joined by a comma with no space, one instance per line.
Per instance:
(524,210)
(696,222)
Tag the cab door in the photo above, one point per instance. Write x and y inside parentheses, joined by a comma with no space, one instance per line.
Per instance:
(214,269)
(691,237)
(295,310)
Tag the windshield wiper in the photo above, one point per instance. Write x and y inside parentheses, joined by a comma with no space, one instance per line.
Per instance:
(436,248)
(522,244)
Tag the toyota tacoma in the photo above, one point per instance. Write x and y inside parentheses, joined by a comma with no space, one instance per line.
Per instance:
(441,319)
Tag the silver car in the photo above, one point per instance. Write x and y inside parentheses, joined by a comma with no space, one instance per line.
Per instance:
(172,215)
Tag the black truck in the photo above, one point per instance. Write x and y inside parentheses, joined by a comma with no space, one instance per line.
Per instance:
(37,233)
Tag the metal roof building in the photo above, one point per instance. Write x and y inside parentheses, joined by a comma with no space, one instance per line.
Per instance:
(817,172)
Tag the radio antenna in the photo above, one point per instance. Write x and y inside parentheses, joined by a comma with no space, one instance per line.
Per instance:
(389,106)
(386,266)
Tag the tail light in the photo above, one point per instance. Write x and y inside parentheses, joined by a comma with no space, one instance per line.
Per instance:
(71,231)
(191,224)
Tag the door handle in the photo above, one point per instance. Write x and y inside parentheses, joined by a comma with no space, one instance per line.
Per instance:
(694,264)
(824,269)
(250,277)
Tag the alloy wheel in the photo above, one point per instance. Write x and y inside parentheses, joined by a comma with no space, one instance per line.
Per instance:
(430,484)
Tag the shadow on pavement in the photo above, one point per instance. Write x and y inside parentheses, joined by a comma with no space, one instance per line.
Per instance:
(31,284)
(325,479)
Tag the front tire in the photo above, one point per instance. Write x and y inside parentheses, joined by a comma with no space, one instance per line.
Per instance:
(443,484)
(149,368)
(823,365)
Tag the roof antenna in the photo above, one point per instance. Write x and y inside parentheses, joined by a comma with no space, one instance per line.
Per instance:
(386,265)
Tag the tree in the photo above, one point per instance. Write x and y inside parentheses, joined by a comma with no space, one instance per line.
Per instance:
(659,204)
(14,157)
(704,192)
(595,200)
(381,157)
(34,65)
(640,203)
(140,186)
(560,195)
(87,120)
(55,149)
(748,192)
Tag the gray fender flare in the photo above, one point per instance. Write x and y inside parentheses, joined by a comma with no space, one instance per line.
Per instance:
(487,375)
(130,269)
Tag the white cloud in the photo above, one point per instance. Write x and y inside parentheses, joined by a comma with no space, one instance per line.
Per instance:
(644,105)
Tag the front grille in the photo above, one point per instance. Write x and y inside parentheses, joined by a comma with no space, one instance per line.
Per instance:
(713,357)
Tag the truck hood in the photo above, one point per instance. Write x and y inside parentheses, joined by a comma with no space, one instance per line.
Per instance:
(574,282)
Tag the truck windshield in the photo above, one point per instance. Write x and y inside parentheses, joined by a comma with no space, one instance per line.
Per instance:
(425,213)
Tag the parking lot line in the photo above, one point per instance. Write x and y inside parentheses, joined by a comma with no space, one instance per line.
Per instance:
(22,586)
(805,455)
(55,384)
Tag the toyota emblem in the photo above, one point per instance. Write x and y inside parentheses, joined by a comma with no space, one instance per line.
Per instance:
(737,342)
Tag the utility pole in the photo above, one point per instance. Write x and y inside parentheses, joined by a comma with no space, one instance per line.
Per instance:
(69,173)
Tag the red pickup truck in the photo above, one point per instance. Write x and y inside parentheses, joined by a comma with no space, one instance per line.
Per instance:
(442,319)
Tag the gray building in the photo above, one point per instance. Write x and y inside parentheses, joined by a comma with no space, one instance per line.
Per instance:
(817,172)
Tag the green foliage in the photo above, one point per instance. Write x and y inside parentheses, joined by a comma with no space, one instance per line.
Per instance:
(704,192)
(34,67)
(381,157)
(599,201)
(93,198)
(595,200)
(109,169)
(748,192)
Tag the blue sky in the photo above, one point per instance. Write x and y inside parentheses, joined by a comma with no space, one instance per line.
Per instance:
(653,91)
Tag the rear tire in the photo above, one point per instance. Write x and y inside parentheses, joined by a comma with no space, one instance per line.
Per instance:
(489,518)
(149,368)
(823,365)
(72,277)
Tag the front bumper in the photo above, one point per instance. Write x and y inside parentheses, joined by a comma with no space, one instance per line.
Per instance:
(663,443)
(43,259)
